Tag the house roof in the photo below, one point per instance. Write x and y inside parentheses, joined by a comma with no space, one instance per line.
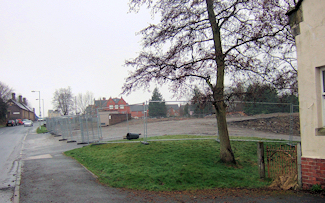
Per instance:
(27,107)
(21,106)
(116,100)
(102,103)
(137,108)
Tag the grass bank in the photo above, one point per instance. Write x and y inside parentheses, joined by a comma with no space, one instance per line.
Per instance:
(172,165)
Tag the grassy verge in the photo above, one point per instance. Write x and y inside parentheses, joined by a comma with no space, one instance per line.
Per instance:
(41,129)
(173,165)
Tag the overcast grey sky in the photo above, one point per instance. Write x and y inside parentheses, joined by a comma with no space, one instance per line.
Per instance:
(52,44)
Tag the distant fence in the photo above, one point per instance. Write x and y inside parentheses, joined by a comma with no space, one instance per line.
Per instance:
(186,118)
(83,129)
(178,118)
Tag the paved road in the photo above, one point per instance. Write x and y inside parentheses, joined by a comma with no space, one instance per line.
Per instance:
(10,147)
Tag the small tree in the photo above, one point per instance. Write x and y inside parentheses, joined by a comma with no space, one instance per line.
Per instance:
(83,100)
(186,110)
(157,107)
(3,110)
(5,92)
(289,98)
(202,40)
(257,93)
(201,103)
(63,100)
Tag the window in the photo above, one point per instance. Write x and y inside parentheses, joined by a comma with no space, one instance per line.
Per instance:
(110,106)
(323,80)
(121,106)
(322,75)
(116,106)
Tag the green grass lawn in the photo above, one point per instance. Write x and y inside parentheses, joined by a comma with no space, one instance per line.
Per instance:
(41,129)
(171,165)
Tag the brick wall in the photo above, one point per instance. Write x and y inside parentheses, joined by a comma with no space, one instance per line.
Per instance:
(312,172)
(118,118)
(138,114)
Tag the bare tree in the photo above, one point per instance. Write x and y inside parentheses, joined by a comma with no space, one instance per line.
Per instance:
(63,100)
(202,40)
(5,92)
(84,100)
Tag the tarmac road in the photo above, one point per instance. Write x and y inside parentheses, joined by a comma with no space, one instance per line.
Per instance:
(10,147)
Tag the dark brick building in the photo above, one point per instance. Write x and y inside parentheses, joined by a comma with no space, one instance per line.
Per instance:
(19,109)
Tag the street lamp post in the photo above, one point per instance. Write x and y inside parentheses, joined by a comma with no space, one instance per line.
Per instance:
(39,104)
(43,107)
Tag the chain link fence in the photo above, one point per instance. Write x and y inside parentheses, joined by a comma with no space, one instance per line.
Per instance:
(268,120)
(83,129)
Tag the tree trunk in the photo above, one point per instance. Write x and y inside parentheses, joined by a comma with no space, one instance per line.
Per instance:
(226,153)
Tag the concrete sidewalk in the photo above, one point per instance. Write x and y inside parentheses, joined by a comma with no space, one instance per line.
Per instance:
(49,176)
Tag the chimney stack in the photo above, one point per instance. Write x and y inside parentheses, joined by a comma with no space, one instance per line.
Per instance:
(13,96)
(104,98)
(20,99)
(24,101)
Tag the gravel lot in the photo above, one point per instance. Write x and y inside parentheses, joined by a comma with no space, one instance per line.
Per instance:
(193,126)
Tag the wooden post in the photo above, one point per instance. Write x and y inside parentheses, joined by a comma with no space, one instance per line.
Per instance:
(299,164)
(260,156)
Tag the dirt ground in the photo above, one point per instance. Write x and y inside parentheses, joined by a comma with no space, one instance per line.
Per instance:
(272,126)
(277,124)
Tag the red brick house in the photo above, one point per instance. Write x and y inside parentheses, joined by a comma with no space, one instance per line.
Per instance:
(111,111)
(114,105)
(117,105)
(137,111)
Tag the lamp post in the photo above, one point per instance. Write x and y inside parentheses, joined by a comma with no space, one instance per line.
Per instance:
(43,107)
(39,100)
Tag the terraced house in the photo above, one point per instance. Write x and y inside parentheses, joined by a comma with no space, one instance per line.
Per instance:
(19,109)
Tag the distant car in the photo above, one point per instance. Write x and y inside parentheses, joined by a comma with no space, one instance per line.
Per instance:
(19,122)
(40,119)
(10,123)
(24,120)
(28,123)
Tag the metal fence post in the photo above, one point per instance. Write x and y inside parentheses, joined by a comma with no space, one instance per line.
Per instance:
(99,127)
(70,130)
(62,130)
(86,118)
(144,124)
(299,164)
(291,124)
(82,130)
